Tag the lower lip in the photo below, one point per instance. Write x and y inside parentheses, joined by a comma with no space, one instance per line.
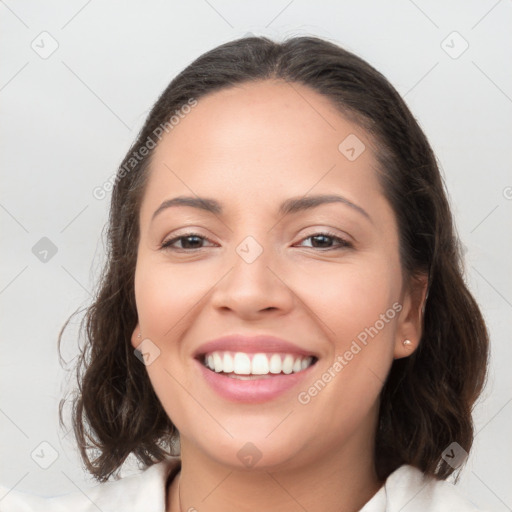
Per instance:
(252,391)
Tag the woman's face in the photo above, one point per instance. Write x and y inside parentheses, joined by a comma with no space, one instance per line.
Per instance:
(323,276)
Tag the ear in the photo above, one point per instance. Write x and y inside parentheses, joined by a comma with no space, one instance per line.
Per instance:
(136,339)
(410,321)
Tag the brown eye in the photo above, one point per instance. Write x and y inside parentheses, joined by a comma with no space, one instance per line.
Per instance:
(325,241)
(188,241)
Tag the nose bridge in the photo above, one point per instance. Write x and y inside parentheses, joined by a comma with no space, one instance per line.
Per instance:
(249,250)
(251,263)
(252,284)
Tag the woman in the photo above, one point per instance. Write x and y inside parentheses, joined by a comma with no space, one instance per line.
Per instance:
(282,323)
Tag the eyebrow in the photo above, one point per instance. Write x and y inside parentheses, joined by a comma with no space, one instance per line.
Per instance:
(203,203)
(288,207)
(298,204)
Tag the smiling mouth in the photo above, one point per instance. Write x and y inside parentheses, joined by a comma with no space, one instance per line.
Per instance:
(245,366)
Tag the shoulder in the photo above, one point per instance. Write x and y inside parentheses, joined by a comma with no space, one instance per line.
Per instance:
(408,490)
(143,491)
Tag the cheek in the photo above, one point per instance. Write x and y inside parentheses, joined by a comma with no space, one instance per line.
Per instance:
(164,295)
(347,298)
(167,299)
(357,307)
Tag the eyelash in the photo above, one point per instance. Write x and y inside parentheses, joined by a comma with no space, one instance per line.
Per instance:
(343,244)
(168,243)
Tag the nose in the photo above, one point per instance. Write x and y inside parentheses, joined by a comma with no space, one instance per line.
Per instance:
(254,288)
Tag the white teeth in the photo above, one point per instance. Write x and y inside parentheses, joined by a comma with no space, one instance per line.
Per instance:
(259,364)
(288,364)
(217,362)
(228,363)
(275,363)
(241,363)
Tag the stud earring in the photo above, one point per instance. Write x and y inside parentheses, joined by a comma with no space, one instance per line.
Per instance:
(139,336)
(407,343)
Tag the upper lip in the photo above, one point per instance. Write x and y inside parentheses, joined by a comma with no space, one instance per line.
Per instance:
(252,345)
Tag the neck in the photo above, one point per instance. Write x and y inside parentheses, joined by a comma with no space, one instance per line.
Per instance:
(340,480)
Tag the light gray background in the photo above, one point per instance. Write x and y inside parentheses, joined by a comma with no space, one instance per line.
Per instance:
(69,118)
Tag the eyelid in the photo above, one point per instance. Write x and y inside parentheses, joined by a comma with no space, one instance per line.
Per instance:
(168,241)
(326,230)
(344,242)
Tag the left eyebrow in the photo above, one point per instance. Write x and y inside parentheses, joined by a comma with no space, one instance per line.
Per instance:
(296,204)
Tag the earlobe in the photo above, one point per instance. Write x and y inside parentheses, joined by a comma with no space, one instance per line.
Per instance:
(405,348)
(410,324)
(136,336)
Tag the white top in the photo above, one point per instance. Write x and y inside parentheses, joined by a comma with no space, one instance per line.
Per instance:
(405,490)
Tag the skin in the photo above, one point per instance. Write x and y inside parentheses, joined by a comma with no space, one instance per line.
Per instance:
(251,147)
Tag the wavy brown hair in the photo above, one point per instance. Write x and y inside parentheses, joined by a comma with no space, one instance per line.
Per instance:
(427,400)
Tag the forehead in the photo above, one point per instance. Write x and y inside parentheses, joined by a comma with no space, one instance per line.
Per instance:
(251,115)
(261,139)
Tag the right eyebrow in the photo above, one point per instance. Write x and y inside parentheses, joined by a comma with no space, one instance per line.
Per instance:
(209,205)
